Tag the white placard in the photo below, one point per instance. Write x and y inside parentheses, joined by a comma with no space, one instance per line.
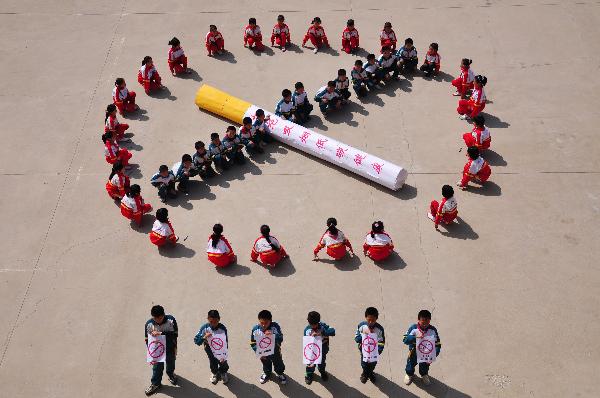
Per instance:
(370,347)
(218,345)
(312,350)
(265,344)
(426,349)
(156,351)
(371,167)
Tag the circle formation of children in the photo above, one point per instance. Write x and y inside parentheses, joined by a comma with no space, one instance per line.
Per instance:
(266,340)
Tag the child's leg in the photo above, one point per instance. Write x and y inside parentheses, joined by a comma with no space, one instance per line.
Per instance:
(184,62)
(223,367)
(147,208)
(463,106)
(258,45)
(213,362)
(314,40)
(433,207)
(323,106)
(346,46)
(465,180)
(239,157)
(353,43)
(163,191)
(458,84)
(469,140)
(423,368)
(278,364)
(310,370)
(323,363)
(124,155)
(411,363)
(345,93)
(475,110)
(172,67)
(220,44)
(250,42)
(183,183)
(267,364)
(282,40)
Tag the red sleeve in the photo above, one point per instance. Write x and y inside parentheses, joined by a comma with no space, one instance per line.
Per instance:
(348,244)
(438,216)
(228,245)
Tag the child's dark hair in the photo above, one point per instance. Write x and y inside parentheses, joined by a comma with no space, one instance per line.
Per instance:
(174,42)
(376,228)
(199,144)
(370,57)
(186,158)
(163,167)
(371,311)
(212,26)
(162,215)
(247,120)
(286,93)
(260,112)
(213,314)
(434,46)
(479,120)
(331,83)
(447,191)
(252,21)
(109,109)
(264,231)
(119,81)
(214,136)
(341,72)
(117,166)
(146,59)
(157,310)
(480,79)
(332,225)
(358,62)
(387,25)
(408,41)
(230,128)
(466,62)
(280,17)
(385,48)
(473,152)
(313,318)
(316,19)
(134,190)
(107,136)
(424,314)
(350,22)
(265,314)
(216,235)
(298,85)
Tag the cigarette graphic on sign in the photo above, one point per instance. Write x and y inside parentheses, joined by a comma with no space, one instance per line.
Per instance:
(359,162)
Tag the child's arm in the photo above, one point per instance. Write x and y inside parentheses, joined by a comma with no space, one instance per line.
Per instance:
(410,338)
(278,335)
(252,341)
(199,338)
(358,337)
(381,343)
(328,331)
(438,343)
(349,245)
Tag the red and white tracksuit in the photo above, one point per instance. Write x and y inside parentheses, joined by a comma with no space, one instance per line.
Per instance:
(133,208)
(477,169)
(162,232)
(350,39)
(280,35)
(124,99)
(149,78)
(222,255)
(112,153)
(117,186)
(317,37)
(379,246)
(388,39)
(444,212)
(473,105)
(214,42)
(464,82)
(431,58)
(479,137)
(177,60)
(118,129)
(253,37)
(335,244)
(263,249)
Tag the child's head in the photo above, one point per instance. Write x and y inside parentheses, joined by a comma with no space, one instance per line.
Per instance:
(473,152)
(447,191)
(466,63)
(377,227)
(162,215)
(252,21)
(213,318)
(117,167)
(313,319)
(479,121)
(408,43)
(316,21)
(147,60)
(299,87)
(158,312)
(331,86)
(371,315)
(247,122)
(212,28)
(265,230)
(342,74)
(111,110)
(174,42)
(387,51)
(280,19)
(358,64)
(260,114)
(332,225)
(134,190)
(480,81)
(387,26)
(265,318)
(230,132)
(433,47)
(286,94)
(107,136)
(186,160)
(423,318)
(199,145)
(350,23)
(371,58)
(120,82)
(163,170)
(214,138)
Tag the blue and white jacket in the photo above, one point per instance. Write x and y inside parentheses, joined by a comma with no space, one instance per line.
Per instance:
(231,142)
(342,85)
(178,170)
(214,150)
(410,338)
(168,328)
(300,99)
(284,108)
(257,125)
(358,76)
(371,68)
(257,332)
(363,329)
(200,340)
(325,329)
(157,179)
(386,62)
(324,94)
(406,54)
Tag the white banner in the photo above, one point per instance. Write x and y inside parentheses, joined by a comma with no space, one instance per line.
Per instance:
(218,345)
(370,347)
(426,349)
(265,344)
(312,350)
(371,167)
(156,351)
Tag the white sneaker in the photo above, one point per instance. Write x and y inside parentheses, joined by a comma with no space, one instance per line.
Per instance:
(463,117)
(426,380)
(456,94)
(408,380)
(225,378)
(263,378)
(214,379)
(282,378)
(316,50)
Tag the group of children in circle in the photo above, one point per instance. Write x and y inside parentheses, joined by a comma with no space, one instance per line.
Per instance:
(162,324)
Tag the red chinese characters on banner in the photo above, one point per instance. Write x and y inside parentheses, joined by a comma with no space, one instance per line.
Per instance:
(358,158)
(287,130)
(321,143)
(304,136)
(340,152)
(377,167)
(271,123)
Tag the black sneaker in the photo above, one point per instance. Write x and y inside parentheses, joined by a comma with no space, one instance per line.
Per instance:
(324,376)
(308,379)
(372,378)
(173,379)
(152,388)
(363,379)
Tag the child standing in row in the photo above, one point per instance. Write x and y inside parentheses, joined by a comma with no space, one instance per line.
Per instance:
(366,327)
(162,230)
(266,327)
(317,328)
(218,368)
(148,77)
(316,35)
(218,248)
(446,210)
(214,42)
(415,332)
(431,66)
(281,34)
(253,36)
(350,38)
(301,103)
(177,59)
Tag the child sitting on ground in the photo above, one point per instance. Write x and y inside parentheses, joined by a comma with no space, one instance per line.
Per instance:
(177,59)
(233,146)
(408,56)
(388,37)
(164,180)
(202,165)
(281,34)
(328,98)
(446,211)
(148,77)
(253,36)
(250,140)
(388,64)
(360,80)
(214,41)
(350,38)
(301,103)
(285,107)
(431,66)
(342,84)
(316,35)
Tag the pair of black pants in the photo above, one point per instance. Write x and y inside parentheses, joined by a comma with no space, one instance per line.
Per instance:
(310,370)
(216,366)
(368,368)
(428,69)
(273,362)
(164,189)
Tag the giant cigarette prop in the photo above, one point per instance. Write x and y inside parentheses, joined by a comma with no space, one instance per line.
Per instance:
(375,169)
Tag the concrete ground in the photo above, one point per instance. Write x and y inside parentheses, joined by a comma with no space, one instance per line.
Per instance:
(513,287)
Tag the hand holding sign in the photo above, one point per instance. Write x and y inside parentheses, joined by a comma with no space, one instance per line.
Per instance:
(156,350)
(312,349)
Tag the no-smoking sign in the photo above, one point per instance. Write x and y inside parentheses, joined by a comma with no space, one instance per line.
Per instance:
(312,350)
(425,347)
(156,349)
(218,346)
(217,343)
(265,342)
(369,344)
(369,350)
(265,346)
